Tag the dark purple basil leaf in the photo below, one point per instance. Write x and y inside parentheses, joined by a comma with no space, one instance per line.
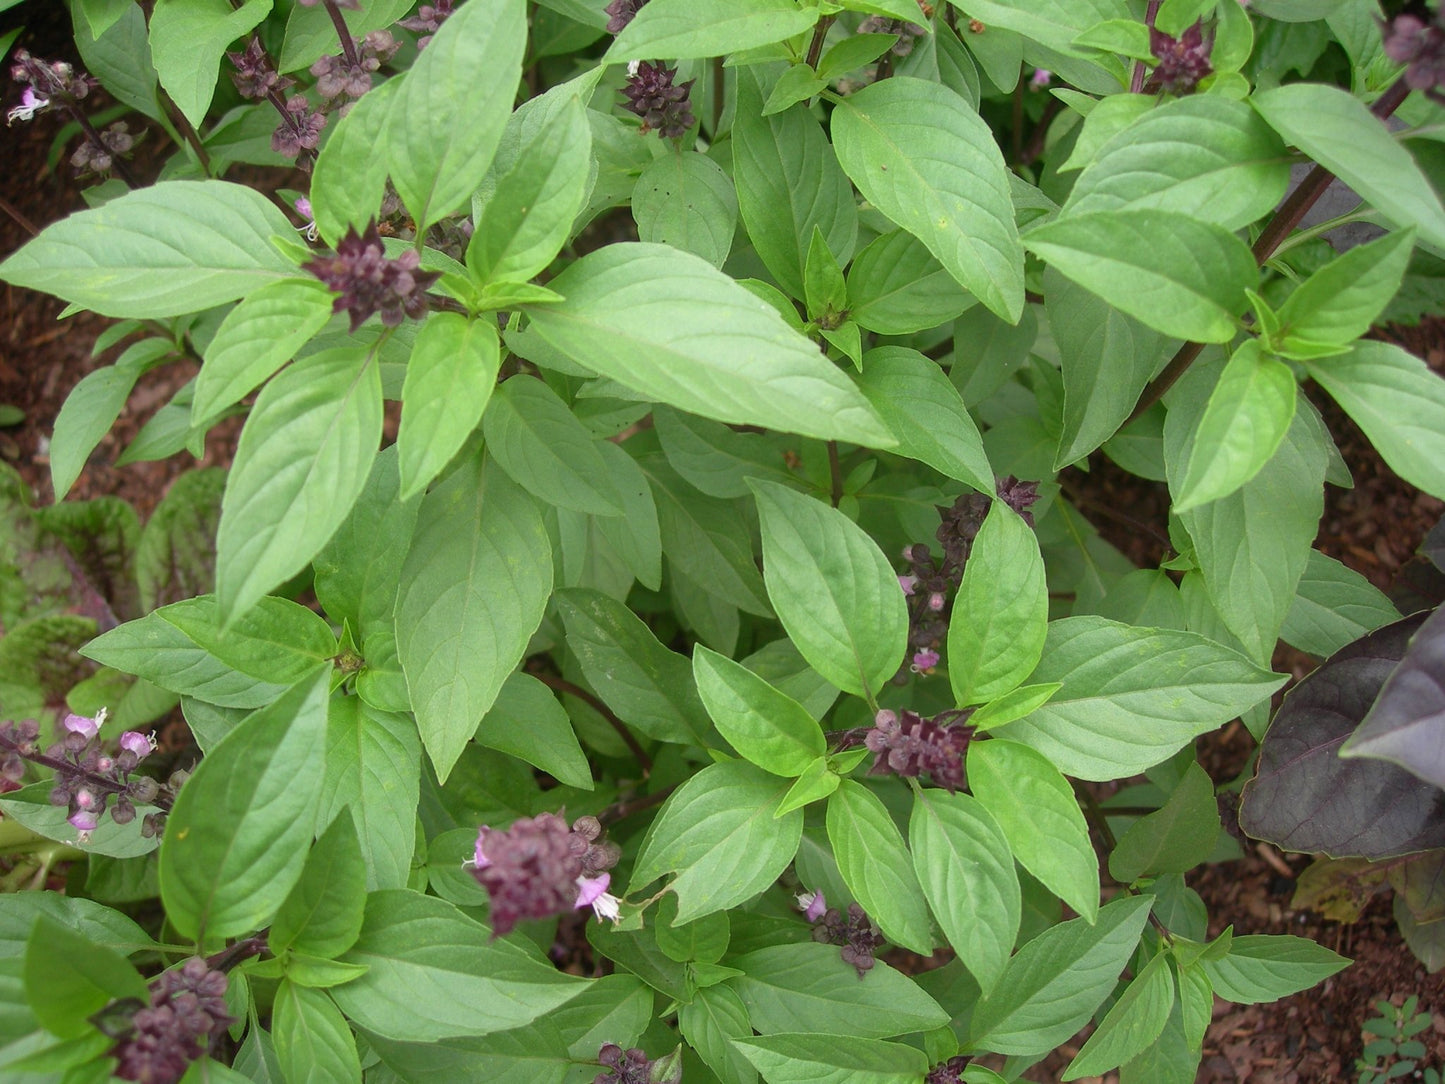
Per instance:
(1304,797)
(1406,726)
(1434,545)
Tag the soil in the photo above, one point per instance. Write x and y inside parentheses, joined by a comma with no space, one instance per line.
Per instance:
(1374,528)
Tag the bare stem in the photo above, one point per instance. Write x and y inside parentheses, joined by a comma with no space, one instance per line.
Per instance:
(619,810)
(835,471)
(815,47)
(1136,77)
(343,32)
(230,956)
(19,219)
(188,133)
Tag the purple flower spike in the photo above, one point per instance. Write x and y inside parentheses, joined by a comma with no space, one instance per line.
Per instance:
(947,1072)
(911,746)
(663,107)
(539,867)
(620,13)
(1182,61)
(368,282)
(1409,40)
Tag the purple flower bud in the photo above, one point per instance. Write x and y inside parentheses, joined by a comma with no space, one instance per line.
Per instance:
(936,601)
(83,725)
(538,868)
(908,583)
(925,660)
(858,937)
(139,744)
(254,76)
(300,128)
(634,1067)
(124,811)
(814,905)
(1040,78)
(947,1072)
(1020,496)
(1410,41)
(622,12)
(144,789)
(187,1011)
(84,820)
(427,21)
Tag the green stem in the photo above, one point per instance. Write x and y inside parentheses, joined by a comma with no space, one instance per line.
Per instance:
(1300,237)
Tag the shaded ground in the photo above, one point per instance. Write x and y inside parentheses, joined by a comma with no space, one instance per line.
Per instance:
(1374,528)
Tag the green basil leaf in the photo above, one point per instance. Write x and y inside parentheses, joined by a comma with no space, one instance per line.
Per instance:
(967,872)
(718,834)
(1132,697)
(433,973)
(173,248)
(765,725)
(465,79)
(833,589)
(473,589)
(1001,614)
(449,380)
(302,461)
(876,866)
(921,155)
(1035,808)
(236,840)
(671,326)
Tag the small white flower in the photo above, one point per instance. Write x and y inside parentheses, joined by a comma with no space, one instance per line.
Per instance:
(607,906)
(30,104)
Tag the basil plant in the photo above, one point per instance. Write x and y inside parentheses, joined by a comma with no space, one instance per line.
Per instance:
(650,610)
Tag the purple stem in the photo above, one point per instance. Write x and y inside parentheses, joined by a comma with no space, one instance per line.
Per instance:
(348,46)
(99,782)
(1136,78)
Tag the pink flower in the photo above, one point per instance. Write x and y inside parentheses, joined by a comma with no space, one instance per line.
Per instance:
(592,892)
(908,583)
(83,725)
(1040,78)
(30,104)
(138,744)
(813,905)
(925,660)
